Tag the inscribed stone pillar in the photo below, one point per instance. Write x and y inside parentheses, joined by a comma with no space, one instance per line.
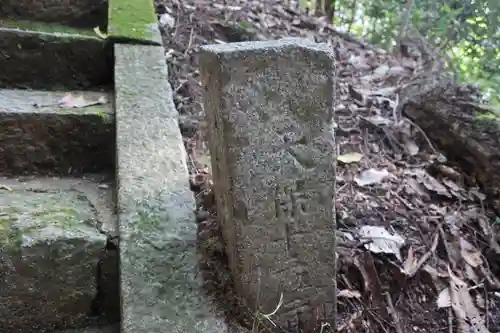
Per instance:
(269,110)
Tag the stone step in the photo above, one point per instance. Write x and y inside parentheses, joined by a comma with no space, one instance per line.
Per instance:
(58,267)
(49,56)
(37,136)
(76,13)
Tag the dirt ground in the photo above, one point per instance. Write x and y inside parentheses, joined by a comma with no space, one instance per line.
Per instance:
(439,270)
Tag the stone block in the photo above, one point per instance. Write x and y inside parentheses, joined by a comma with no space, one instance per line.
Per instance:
(49,251)
(39,137)
(43,57)
(76,13)
(161,289)
(269,110)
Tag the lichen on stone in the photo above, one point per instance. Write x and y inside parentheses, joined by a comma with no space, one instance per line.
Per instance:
(132,19)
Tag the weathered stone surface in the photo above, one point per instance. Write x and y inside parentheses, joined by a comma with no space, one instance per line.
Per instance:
(49,250)
(78,13)
(49,60)
(160,286)
(47,139)
(133,21)
(105,329)
(269,110)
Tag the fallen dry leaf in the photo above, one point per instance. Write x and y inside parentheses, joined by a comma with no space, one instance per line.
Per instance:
(444,300)
(468,317)
(381,241)
(349,293)
(99,33)
(432,184)
(71,101)
(410,264)
(412,148)
(350,158)
(371,177)
(470,254)
(5,187)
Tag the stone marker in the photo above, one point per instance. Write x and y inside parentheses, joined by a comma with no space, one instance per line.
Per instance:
(269,110)
(161,289)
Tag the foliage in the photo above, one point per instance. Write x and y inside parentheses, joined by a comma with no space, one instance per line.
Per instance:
(466,32)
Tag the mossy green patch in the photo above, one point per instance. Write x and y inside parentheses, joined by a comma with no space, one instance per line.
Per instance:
(102,111)
(106,115)
(10,236)
(132,19)
(33,213)
(46,28)
(149,221)
(487,114)
(62,217)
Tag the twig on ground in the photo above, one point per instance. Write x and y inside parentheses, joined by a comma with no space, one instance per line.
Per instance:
(450,320)
(191,35)
(393,313)
(425,256)
(423,133)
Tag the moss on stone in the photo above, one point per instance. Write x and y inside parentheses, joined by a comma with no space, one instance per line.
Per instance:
(46,28)
(105,115)
(10,237)
(103,112)
(131,19)
(62,217)
(31,212)
(149,221)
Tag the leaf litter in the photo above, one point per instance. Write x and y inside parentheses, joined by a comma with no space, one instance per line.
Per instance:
(417,249)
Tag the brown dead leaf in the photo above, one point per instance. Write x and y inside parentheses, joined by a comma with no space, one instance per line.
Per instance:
(409,266)
(449,172)
(350,158)
(470,254)
(412,265)
(412,186)
(432,184)
(468,317)
(455,190)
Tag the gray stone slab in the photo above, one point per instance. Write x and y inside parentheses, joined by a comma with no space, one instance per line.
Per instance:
(160,286)
(40,137)
(50,245)
(43,59)
(78,13)
(269,108)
